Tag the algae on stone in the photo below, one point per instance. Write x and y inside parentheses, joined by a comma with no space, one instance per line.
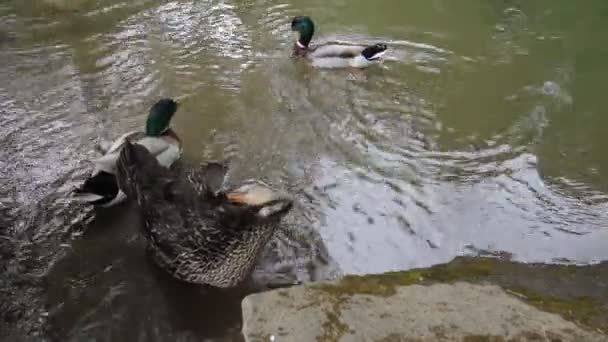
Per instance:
(523,280)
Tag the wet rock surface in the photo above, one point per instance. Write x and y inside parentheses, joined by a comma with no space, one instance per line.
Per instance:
(469,299)
(440,312)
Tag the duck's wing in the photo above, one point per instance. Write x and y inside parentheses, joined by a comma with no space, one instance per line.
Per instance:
(165,152)
(222,255)
(217,246)
(340,55)
(107,162)
(248,218)
(224,246)
(336,50)
(117,144)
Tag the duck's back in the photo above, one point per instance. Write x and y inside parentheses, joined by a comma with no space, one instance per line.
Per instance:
(221,257)
(337,55)
(187,236)
(203,245)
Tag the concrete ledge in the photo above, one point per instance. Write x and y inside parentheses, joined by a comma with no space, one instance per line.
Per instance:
(439,312)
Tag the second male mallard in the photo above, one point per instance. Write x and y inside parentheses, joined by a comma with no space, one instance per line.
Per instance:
(332,55)
(101,188)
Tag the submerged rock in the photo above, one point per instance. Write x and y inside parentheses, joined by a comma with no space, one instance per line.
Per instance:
(439,312)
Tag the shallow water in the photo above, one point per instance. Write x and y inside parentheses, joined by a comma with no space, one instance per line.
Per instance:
(481,133)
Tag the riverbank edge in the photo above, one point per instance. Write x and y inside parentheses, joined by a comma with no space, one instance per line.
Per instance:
(577,294)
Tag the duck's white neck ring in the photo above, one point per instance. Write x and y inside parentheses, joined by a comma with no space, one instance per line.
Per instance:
(300,45)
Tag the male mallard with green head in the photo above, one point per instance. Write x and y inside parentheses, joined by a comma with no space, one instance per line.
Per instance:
(332,55)
(101,188)
(196,231)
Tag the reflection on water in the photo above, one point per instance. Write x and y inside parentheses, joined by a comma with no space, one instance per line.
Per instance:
(480,134)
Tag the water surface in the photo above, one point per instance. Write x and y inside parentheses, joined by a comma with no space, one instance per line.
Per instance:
(482,133)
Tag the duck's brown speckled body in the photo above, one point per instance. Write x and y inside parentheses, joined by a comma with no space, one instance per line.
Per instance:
(195,231)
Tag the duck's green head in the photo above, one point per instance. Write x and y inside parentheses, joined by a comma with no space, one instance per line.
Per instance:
(160,116)
(305,27)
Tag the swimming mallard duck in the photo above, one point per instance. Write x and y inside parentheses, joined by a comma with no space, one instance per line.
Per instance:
(101,188)
(332,55)
(196,231)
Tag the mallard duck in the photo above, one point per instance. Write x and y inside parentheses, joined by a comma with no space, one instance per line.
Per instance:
(332,55)
(101,188)
(196,231)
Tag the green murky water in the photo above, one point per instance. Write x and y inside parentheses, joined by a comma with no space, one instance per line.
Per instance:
(482,133)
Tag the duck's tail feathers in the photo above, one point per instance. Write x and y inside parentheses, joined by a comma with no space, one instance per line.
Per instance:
(99,189)
(374,52)
(136,168)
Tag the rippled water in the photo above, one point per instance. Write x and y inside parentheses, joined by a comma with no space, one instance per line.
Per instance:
(481,133)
